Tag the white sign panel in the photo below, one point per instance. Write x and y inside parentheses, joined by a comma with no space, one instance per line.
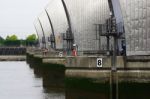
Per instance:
(60,54)
(99,62)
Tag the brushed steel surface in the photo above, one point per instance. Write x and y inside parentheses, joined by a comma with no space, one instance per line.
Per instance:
(39,32)
(59,20)
(84,14)
(46,27)
(136,16)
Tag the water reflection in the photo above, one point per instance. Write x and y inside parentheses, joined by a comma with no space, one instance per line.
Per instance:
(83,94)
(18,81)
(52,80)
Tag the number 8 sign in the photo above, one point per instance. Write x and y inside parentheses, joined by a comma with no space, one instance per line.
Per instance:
(99,62)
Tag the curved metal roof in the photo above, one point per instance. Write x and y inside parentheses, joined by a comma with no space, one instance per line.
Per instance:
(84,14)
(58,18)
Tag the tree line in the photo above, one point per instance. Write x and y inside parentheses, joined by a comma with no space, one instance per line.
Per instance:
(12,40)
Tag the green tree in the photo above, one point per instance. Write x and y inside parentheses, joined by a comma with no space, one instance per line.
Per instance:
(1,41)
(31,37)
(7,38)
(12,38)
(31,40)
(12,41)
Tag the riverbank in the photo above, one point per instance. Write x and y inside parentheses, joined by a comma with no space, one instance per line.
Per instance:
(13,58)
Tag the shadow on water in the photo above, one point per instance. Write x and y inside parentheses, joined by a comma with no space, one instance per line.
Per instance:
(134,90)
(54,81)
(52,76)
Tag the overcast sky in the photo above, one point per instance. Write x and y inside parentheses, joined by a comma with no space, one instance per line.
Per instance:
(17,16)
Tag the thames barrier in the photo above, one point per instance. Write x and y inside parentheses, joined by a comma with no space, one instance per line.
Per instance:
(100,41)
(86,49)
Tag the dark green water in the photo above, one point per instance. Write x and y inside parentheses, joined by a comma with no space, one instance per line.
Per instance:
(19,80)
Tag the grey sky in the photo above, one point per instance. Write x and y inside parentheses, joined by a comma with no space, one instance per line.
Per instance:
(17,16)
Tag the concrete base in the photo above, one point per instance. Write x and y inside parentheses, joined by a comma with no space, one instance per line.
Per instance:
(103,76)
(131,62)
(129,69)
(12,58)
(60,61)
(91,61)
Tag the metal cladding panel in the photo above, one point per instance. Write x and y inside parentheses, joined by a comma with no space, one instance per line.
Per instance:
(136,15)
(39,32)
(59,21)
(46,27)
(84,14)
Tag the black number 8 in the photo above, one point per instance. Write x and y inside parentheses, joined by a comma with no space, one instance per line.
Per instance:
(99,62)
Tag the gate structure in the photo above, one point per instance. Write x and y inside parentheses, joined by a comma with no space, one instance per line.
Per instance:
(136,17)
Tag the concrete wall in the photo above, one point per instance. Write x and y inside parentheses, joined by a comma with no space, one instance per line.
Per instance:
(134,62)
(91,62)
(98,76)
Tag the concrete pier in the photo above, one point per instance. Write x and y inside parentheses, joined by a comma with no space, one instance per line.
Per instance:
(54,60)
(103,76)
(13,58)
(129,69)
(91,62)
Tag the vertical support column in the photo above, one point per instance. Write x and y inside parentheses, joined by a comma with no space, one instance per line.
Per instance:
(53,34)
(114,76)
(114,60)
(108,44)
(37,35)
(70,40)
(111,7)
(98,29)
(99,26)
(36,31)
(43,33)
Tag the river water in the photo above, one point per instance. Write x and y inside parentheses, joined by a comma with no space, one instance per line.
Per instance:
(19,80)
